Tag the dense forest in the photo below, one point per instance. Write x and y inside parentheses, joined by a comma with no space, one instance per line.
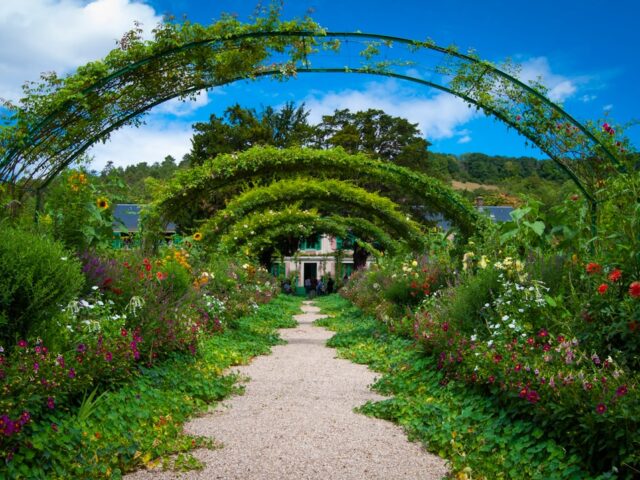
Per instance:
(498,179)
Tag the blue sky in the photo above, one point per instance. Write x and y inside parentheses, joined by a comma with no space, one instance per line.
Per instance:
(584,50)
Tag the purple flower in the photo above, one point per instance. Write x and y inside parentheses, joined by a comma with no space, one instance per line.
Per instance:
(36,367)
(51,403)
(60,361)
(81,348)
(621,391)
(72,373)
(108,356)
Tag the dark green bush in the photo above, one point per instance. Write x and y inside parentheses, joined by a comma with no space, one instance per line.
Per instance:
(37,278)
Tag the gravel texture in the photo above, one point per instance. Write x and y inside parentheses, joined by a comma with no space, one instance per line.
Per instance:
(296,421)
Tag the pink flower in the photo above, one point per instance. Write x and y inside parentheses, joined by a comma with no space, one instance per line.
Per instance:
(621,391)
(108,356)
(601,408)
(51,403)
(22,343)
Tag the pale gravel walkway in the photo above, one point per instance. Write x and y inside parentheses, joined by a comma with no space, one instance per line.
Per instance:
(296,421)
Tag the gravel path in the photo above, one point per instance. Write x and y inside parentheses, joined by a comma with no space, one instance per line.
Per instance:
(296,421)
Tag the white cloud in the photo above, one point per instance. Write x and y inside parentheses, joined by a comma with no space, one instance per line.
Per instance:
(465,139)
(607,107)
(588,98)
(438,116)
(59,35)
(149,143)
(560,87)
(185,108)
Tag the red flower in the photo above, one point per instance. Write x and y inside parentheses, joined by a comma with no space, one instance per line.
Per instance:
(51,403)
(615,275)
(523,393)
(543,333)
(22,343)
(161,276)
(634,289)
(533,396)
(633,325)
(123,332)
(147,267)
(601,408)
(621,391)
(574,197)
(602,289)
(593,267)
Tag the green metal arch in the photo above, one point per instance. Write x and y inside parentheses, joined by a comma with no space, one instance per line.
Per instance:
(44,130)
(333,193)
(230,170)
(262,224)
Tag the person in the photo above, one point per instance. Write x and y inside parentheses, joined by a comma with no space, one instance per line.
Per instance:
(320,287)
(307,285)
(330,285)
(287,287)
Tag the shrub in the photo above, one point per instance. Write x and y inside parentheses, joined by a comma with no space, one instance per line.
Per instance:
(37,277)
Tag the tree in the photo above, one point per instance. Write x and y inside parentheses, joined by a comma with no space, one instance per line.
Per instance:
(393,139)
(241,128)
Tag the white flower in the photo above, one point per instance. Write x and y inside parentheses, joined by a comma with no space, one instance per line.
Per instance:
(1,349)
(474,338)
(95,287)
(505,318)
(64,259)
(84,303)
(490,343)
(486,305)
(521,310)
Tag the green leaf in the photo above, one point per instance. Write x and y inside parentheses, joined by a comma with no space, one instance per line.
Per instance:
(519,213)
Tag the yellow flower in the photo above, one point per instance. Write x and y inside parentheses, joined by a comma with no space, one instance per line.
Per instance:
(414,263)
(197,236)
(102,203)
(484,261)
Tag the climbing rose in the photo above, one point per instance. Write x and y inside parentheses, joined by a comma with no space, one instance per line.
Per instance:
(615,275)
(602,289)
(634,289)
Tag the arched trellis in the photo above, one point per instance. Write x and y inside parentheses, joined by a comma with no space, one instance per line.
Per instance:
(225,171)
(53,130)
(259,229)
(331,193)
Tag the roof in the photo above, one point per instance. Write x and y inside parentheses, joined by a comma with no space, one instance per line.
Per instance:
(127,217)
(496,213)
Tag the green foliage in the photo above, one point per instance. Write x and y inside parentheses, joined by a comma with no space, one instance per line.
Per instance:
(473,432)
(330,192)
(37,276)
(77,213)
(216,181)
(140,425)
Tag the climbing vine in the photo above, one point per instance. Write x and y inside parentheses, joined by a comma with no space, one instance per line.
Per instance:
(227,173)
(260,230)
(330,194)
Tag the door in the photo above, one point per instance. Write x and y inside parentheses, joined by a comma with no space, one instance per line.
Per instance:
(311,270)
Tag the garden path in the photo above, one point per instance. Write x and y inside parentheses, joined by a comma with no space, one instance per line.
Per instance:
(296,421)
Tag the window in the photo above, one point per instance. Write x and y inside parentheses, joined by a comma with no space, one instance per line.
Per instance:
(310,243)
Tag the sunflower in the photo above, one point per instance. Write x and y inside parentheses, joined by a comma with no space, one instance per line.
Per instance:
(102,203)
(197,236)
